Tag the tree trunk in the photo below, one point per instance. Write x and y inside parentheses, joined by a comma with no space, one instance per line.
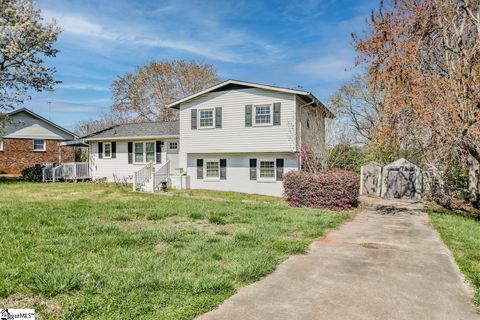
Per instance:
(473,169)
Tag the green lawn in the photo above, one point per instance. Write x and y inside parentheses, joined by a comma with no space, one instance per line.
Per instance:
(99,251)
(462,237)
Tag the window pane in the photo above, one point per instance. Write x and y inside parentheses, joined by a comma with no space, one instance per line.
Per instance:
(213,169)
(206,118)
(150,151)
(262,114)
(267,169)
(173,145)
(138,152)
(107,150)
(38,144)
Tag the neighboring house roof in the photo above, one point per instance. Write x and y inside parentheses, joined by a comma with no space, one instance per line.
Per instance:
(145,130)
(237,84)
(35,115)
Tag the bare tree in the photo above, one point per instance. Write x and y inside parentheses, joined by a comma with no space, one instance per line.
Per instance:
(145,93)
(356,103)
(424,57)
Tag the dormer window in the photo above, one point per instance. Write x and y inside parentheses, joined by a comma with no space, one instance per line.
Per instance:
(206,118)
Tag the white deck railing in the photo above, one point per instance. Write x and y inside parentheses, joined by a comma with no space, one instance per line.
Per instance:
(143,175)
(161,175)
(66,171)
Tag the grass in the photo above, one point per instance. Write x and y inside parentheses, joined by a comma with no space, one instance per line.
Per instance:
(461,234)
(99,251)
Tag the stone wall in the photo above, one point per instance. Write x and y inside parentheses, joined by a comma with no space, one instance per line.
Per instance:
(18,154)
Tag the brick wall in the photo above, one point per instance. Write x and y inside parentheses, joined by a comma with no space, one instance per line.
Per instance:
(18,154)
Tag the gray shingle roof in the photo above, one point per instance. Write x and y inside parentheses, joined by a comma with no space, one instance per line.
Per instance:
(133,130)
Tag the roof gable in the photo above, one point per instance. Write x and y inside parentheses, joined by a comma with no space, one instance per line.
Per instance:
(31,125)
(236,85)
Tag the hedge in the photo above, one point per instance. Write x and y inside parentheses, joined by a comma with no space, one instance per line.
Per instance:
(334,190)
(33,173)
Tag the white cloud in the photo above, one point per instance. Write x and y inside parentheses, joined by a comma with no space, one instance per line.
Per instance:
(220,44)
(83,86)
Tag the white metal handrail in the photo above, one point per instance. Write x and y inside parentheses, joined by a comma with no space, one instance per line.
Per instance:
(57,172)
(161,174)
(142,176)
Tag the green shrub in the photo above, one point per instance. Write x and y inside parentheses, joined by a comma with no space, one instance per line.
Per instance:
(33,173)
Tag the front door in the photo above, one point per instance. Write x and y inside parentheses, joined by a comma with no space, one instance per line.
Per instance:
(172,155)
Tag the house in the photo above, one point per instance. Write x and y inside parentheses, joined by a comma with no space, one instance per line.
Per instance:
(235,136)
(28,139)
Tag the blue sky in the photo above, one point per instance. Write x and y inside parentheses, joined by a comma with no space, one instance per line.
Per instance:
(303,43)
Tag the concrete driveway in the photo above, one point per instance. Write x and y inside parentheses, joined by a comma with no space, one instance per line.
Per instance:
(387,263)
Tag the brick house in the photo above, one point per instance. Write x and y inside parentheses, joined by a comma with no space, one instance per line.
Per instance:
(28,139)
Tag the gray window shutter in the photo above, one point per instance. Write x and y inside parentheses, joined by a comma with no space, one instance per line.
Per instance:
(199,168)
(279,169)
(194,118)
(253,169)
(248,115)
(158,151)
(223,169)
(276,114)
(114,149)
(218,117)
(130,152)
(100,150)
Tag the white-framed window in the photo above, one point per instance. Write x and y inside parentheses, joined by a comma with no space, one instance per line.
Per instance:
(263,115)
(138,152)
(107,150)
(39,145)
(144,152)
(205,118)
(1,144)
(267,170)
(173,145)
(212,169)
(149,151)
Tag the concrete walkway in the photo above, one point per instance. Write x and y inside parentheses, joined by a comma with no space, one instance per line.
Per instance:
(387,263)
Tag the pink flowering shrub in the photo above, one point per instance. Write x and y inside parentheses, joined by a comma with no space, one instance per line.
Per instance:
(334,190)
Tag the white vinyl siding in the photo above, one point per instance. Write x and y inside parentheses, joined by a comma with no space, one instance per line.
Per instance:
(25,126)
(233,136)
(118,167)
(238,173)
(39,145)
